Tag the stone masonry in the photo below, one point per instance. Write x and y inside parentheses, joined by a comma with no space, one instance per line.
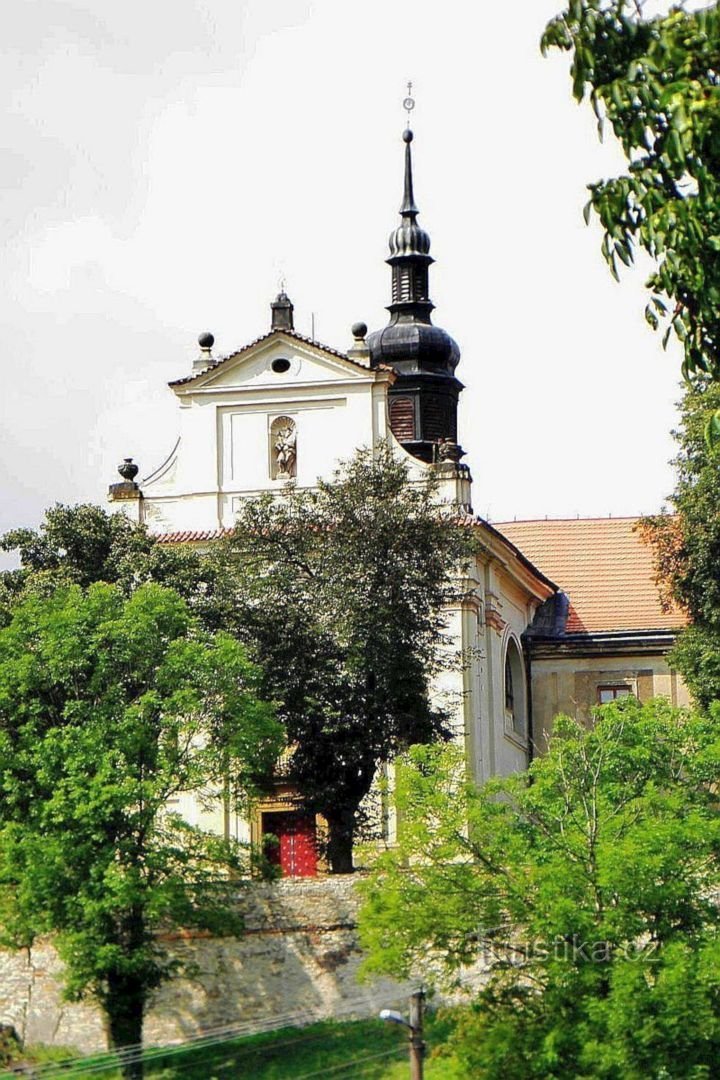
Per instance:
(298,959)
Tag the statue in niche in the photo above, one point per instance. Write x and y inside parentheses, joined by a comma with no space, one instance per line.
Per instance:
(283,448)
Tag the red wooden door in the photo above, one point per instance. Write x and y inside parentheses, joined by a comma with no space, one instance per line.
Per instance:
(296,850)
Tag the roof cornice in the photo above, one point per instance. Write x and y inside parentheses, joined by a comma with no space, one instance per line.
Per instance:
(607,643)
(291,335)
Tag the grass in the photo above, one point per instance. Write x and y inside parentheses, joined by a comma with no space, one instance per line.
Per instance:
(369,1049)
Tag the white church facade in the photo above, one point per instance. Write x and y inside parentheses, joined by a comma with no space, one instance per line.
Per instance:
(542,628)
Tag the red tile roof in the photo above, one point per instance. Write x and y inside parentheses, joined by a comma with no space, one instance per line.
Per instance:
(190,536)
(604,567)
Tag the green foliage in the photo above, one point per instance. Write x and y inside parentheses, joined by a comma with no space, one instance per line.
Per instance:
(368,1048)
(81,545)
(589,884)
(656,81)
(110,707)
(9,1046)
(697,657)
(341,590)
(687,544)
(337,592)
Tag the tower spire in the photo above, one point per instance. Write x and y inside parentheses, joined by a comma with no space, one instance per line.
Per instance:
(408,208)
(423,398)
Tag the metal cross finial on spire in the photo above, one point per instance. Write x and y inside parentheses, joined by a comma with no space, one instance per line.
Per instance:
(408,207)
(409,102)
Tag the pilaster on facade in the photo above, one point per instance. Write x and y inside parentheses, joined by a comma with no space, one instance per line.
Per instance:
(493,613)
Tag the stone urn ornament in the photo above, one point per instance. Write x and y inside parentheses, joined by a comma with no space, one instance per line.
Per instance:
(128,470)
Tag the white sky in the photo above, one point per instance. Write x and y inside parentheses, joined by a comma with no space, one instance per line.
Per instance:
(166,161)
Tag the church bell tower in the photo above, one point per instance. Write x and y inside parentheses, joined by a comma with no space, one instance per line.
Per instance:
(423,400)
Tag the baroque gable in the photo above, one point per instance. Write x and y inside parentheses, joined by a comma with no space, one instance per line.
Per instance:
(281,409)
(273,363)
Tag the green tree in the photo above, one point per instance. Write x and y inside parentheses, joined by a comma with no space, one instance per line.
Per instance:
(687,544)
(84,544)
(656,81)
(588,883)
(341,589)
(110,707)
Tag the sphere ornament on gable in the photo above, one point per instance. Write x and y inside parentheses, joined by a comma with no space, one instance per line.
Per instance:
(359,351)
(206,340)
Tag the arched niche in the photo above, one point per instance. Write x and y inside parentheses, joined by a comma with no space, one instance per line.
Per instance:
(283,448)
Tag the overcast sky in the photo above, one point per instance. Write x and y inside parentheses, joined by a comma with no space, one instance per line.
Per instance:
(165,162)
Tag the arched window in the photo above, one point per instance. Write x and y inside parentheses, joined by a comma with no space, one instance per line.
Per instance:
(509,692)
(515,694)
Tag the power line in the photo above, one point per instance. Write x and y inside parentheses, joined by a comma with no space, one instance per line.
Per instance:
(210,1037)
(396,1052)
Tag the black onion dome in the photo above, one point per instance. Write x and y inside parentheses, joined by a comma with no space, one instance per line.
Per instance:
(408,239)
(414,346)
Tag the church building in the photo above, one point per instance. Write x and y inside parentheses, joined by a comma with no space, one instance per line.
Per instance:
(557,616)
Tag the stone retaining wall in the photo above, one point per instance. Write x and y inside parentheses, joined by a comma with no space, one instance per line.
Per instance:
(299,955)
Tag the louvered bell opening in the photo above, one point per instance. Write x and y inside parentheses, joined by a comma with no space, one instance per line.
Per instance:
(420,282)
(402,418)
(402,283)
(438,418)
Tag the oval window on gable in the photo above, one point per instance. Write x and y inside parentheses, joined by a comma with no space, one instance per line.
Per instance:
(281,365)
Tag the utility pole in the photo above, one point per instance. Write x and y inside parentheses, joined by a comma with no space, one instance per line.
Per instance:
(417,1045)
(415,1031)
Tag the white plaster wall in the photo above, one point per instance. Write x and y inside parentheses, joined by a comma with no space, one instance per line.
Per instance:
(225,417)
(223,455)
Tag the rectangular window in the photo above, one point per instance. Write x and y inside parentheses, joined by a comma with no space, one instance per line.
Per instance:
(612,693)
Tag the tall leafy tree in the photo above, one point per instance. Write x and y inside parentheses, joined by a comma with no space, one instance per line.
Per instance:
(339,594)
(342,590)
(110,707)
(84,544)
(588,885)
(655,80)
(687,544)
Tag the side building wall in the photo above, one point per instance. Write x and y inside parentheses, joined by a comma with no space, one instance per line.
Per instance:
(571,685)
